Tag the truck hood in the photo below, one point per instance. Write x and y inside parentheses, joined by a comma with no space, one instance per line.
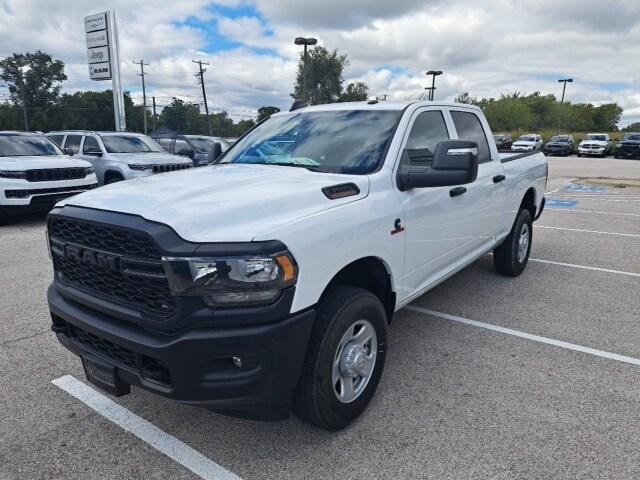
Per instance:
(223,203)
(152,158)
(39,162)
(602,143)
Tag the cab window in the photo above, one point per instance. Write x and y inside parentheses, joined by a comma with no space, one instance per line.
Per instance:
(469,128)
(73,142)
(429,129)
(90,146)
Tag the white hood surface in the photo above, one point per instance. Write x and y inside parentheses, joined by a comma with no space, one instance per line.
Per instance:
(223,203)
(38,162)
(151,158)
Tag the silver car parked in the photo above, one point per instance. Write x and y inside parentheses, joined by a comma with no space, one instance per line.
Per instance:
(119,156)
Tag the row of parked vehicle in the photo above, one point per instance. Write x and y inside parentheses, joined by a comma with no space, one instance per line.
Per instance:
(38,170)
(593,144)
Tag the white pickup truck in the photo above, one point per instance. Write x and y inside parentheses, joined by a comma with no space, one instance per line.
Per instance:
(267,280)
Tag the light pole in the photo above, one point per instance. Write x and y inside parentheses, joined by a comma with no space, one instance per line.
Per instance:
(306,41)
(434,74)
(564,82)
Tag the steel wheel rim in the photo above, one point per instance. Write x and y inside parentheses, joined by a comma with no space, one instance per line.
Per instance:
(354,361)
(523,243)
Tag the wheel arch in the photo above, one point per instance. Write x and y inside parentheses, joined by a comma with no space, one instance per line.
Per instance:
(372,274)
(529,202)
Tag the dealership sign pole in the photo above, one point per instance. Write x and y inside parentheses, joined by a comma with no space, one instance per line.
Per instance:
(103,54)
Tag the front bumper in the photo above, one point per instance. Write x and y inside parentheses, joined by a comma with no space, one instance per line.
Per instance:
(194,366)
(592,151)
(557,151)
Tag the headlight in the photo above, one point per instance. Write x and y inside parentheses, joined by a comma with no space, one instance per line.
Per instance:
(139,166)
(12,174)
(232,281)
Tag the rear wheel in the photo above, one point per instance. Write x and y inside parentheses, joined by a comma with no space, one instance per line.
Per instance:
(345,358)
(512,256)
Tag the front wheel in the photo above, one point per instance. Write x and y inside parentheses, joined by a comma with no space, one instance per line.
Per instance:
(511,257)
(345,358)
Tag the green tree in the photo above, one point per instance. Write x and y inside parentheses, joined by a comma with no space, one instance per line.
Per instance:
(181,117)
(355,92)
(324,76)
(35,79)
(264,112)
(632,127)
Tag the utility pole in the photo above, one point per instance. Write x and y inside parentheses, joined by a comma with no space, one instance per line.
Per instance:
(200,75)
(564,82)
(435,73)
(144,94)
(306,42)
(153,99)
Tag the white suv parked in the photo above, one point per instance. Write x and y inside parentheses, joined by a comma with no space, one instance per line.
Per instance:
(34,174)
(119,156)
(527,143)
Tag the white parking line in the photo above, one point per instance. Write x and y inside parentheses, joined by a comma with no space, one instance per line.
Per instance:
(144,430)
(585,267)
(577,210)
(589,231)
(528,336)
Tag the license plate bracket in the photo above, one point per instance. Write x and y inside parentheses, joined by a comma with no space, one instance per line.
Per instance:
(104,375)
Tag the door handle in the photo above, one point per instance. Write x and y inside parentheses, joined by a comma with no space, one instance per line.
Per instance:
(498,178)
(454,192)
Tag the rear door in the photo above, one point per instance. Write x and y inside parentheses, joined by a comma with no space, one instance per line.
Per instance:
(485,198)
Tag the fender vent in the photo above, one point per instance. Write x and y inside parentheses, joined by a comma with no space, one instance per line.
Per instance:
(342,190)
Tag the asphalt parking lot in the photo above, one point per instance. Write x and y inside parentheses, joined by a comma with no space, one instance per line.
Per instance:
(486,377)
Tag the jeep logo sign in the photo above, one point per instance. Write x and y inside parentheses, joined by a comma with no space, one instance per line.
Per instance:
(98,55)
(92,257)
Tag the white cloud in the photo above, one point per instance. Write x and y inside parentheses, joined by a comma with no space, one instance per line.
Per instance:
(486,48)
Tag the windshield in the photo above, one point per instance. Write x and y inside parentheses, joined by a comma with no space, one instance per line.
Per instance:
(204,145)
(499,137)
(346,141)
(631,136)
(601,138)
(129,144)
(27,145)
(527,138)
(560,139)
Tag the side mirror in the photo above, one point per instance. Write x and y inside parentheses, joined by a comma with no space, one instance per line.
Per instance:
(68,151)
(186,152)
(215,152)
(454,162)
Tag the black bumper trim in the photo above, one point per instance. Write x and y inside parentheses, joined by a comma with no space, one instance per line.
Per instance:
(199,359)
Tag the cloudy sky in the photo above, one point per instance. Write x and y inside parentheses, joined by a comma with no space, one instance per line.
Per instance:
(484,47)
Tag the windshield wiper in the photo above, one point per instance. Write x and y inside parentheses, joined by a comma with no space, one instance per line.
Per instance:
(311,168)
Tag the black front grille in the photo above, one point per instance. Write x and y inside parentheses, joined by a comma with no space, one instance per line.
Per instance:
(47,191)
(162,168)
(142,285)
(105,348)
(54,174)
(148,367)
(102,237)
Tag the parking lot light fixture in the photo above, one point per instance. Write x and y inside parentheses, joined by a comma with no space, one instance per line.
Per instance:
(306,42)
(434,74)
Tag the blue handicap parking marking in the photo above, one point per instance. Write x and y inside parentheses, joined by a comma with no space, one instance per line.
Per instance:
(551,203)
(585,188)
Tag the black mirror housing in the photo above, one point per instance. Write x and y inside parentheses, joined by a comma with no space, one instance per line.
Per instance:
(454,163)
(215,152)
(68,151)
(186,152)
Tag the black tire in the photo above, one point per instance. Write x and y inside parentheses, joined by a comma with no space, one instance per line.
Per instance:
(506,256)
(113,178)
(4,217)
(316,400)
(579,154)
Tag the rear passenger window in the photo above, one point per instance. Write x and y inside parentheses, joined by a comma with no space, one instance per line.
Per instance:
(90,145)
(73,142)
(469,128)
(427,131)
(57,139)
(165,143)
